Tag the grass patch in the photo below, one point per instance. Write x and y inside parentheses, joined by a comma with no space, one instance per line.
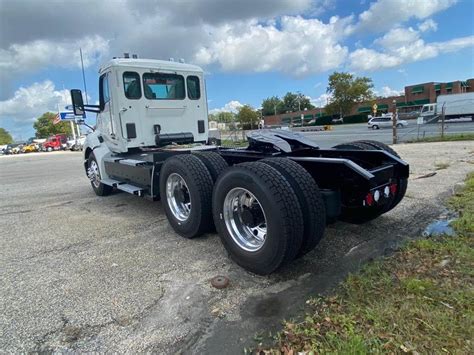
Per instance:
(447,138)
(441,166)
(420,300)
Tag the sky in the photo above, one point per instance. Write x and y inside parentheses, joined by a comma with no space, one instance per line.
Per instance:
(249,49)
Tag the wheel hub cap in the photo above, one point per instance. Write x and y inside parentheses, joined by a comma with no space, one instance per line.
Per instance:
(178,197)
(245,219)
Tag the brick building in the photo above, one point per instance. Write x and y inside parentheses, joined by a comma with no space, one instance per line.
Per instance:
(415,97)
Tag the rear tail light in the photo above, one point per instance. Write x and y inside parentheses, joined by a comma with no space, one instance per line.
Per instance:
(369,199)
(393,189)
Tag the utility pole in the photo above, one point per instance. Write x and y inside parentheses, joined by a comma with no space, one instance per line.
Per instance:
(394,122)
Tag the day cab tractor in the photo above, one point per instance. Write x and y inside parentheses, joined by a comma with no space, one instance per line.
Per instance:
(56,142)
(269,202)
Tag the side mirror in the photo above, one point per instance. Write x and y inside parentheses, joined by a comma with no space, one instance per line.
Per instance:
(77,102)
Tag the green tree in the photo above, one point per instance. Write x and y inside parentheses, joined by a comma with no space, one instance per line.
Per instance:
(272,105)
(293,102)
(225,117)
(346,91)
(44,126)
(248,117)
(5,137)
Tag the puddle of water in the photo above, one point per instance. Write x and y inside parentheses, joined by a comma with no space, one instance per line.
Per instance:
(439,227)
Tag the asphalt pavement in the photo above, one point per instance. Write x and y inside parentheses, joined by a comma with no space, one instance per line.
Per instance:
(85,273)
(351,132)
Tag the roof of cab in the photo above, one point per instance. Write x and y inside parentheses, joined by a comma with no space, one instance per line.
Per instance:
(149,64)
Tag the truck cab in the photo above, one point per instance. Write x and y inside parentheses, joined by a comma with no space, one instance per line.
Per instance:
(56,142)
(147,103)
(428,110)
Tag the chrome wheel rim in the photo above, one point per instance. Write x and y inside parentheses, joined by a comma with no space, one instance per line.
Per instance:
(94,175)
(178,197)
(245,219)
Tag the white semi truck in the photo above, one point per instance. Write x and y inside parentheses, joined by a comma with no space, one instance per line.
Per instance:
(270,202)
(455,106)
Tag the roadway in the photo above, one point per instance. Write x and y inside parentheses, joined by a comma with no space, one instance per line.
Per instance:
(351,132)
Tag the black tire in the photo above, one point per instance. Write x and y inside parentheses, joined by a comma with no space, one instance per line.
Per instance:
(199,184)
(284,219)
(379,146)
(310,200)
(213,162)
(402,183)
(100,189)
(354,146)
(374,127)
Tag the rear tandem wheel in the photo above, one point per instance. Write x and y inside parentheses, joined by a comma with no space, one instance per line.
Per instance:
(258,217)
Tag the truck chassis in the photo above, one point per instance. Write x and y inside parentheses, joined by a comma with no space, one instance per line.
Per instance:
(269,202)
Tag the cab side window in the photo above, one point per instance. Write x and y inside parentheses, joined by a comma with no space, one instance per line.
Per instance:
(194,90)
(131,85)
(104,95)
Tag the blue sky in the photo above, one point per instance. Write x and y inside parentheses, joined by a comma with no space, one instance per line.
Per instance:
(250,50)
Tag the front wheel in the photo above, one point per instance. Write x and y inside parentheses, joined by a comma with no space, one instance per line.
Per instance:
(93,174)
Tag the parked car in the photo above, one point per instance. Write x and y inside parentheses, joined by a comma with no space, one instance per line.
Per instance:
(29,148)
(409,115)
(76,144)
(385,122)
(13,148)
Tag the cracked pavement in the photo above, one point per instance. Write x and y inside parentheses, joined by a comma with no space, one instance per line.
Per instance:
(81,272)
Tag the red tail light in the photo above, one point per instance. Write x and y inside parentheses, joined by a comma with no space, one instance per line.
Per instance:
(369,199)
(393,189)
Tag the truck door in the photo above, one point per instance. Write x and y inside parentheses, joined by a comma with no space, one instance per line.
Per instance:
(105,120)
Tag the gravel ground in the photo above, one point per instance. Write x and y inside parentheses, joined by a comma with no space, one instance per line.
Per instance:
(80,272)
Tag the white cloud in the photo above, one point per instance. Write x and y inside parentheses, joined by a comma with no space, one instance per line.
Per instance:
(428,25)
(387,91)
(232,106)
(384,14)
(37,54)
(397,37)
(297,46)
(320,101)
(18,113)
(403,45)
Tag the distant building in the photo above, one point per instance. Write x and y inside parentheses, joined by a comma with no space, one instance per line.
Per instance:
(414,98)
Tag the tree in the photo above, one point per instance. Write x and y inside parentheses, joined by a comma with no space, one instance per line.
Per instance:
(346,91)
(225,117)
(5,137)
(248,117)
(44,126)
(272,105)
(296,102)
